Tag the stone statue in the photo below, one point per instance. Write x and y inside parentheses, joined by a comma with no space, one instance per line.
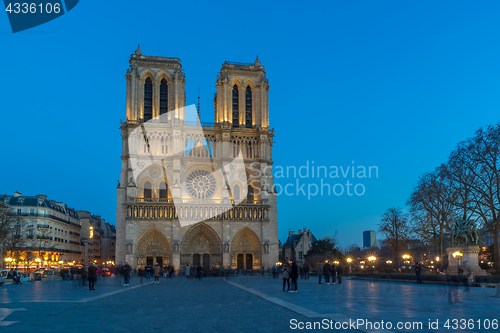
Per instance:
(129,248)
(463,233)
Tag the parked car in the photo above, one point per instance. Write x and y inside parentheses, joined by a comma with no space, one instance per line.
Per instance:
(49,272)
(106,272)
(5,272)
(37,276)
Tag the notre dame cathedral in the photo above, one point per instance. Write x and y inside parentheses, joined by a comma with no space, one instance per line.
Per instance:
(195,193)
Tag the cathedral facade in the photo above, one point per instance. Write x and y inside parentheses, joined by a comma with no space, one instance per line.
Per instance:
(195,193)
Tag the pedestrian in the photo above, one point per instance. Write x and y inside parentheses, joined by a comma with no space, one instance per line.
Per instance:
(199,272)
(85,273)
(294,275)
(92,276)
(418,272)
(140,272)
(118,273)
(326,272)
(171,271)
(307,269)
(148,272)
(319,269)
(126,269)
(333,270)
(286,277)
(339,274)
(186,271)
(99,272)
(157,273)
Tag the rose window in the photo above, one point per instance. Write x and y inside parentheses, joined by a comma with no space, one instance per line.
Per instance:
(201,184)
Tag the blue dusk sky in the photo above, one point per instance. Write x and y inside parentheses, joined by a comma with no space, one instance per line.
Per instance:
(390,84)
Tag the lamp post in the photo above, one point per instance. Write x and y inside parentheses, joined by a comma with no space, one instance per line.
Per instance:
(457,255)
(372,259)
(8,262)
(349,260)
(406,258)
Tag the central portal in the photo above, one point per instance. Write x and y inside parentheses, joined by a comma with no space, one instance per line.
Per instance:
(201,246)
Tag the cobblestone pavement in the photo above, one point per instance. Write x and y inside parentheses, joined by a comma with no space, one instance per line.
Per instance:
(247,304)
(393,302)
(210,305)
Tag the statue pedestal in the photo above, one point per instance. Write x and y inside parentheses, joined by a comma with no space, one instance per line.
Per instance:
(468,260)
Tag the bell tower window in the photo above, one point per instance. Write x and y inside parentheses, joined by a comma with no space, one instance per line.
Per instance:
(248,107)
(163,97)
(236,105)
(148,100)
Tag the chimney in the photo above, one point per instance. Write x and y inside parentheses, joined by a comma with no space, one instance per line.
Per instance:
(291,233)
(300,231)
(18,194)
(41,196)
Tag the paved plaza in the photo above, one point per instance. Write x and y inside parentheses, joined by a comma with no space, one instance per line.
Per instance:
(237,304)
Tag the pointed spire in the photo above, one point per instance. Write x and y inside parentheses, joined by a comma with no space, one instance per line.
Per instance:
(199,117)
(138,51)
(257,62)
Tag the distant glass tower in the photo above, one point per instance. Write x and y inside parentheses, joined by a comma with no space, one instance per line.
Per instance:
(369,238)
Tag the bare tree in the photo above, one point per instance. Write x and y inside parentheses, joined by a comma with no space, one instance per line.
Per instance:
(474,167)
(432,205)
(10,230)
(394,226)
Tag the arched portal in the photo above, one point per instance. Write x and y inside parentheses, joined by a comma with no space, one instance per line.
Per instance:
(201,246)
(246,252)
(153,247)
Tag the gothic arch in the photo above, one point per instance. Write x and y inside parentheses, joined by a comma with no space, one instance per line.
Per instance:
(153,243)
(162,74)
(145,73)
(236,81)
(201,240)
(246,241)
(249,82)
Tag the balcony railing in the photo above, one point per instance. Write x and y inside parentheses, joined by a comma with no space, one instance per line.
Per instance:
(195,201)
(42,226)
(48,216)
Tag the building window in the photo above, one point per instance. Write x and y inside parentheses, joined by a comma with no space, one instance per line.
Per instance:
(163,97)
(147,190)
(250,197)
(248,107)
(148,100)
(163,190)
(300,254)
(236,193)
(236,105)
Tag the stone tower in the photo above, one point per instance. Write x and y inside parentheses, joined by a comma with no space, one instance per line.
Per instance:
(193,194)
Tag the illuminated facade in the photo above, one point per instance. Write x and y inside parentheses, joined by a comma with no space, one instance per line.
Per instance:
(48,233)
(180,200)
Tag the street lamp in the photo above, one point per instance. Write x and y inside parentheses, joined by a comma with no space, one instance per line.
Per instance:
(9,261)
(388,262)
(457,256)
(349,260)
(371,260)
